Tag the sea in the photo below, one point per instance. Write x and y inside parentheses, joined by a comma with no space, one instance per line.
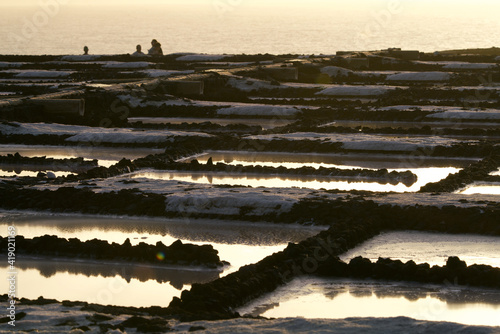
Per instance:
(250,27)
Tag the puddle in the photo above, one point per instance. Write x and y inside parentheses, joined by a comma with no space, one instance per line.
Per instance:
(237,242)
(107,156)
(433,248)
(338,299)
(482,189)
(266,124)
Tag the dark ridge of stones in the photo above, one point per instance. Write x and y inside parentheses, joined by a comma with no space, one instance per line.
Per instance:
(318,256)
(40,301)
(122,167)
(448,218)
(207,127)
(19,316)
(19,159)
(174,278)
(381,176)
(478,171)
(177,253)
(230,143)
(173,111)
(414,93)
(68,199)
(96,317)
(143,325)
(217,299)
(196,328)
(455,271)
(423,130)
(29,139)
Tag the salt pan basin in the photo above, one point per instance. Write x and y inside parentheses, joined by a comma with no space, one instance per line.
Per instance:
(126,284)
(315,298)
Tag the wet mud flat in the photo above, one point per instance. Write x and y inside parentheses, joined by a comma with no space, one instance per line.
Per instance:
(138,127)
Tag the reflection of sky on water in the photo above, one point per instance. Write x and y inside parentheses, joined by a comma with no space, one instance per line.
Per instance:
(482,189)
(94,289)
(338,299)
(424,175)
(238,243)
(427,169)
(433,248)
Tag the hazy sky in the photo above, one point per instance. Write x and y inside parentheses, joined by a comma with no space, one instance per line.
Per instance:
(477,5)
(463,7)
(304,26)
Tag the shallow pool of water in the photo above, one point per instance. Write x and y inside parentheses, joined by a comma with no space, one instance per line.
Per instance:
(339,299)
(138,285)
(433,248)
(107,156)
(290,181)
(104,283)
(427,169)
(239,243)
(482,188)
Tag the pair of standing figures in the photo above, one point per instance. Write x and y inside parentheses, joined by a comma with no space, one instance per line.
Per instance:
(154,51)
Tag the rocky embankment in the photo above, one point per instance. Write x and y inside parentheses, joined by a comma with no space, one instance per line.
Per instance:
(99,250)
(318,256)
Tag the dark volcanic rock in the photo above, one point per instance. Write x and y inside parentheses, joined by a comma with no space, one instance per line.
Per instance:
(177,253)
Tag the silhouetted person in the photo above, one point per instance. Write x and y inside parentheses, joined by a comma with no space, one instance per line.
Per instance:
(155,49)
(138,52)
(85,50)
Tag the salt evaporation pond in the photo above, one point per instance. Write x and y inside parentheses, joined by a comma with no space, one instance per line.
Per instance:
(107,156)
(102,283)
(433,248)
(259,180)
(139,284)
(317,298)
(426,169)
